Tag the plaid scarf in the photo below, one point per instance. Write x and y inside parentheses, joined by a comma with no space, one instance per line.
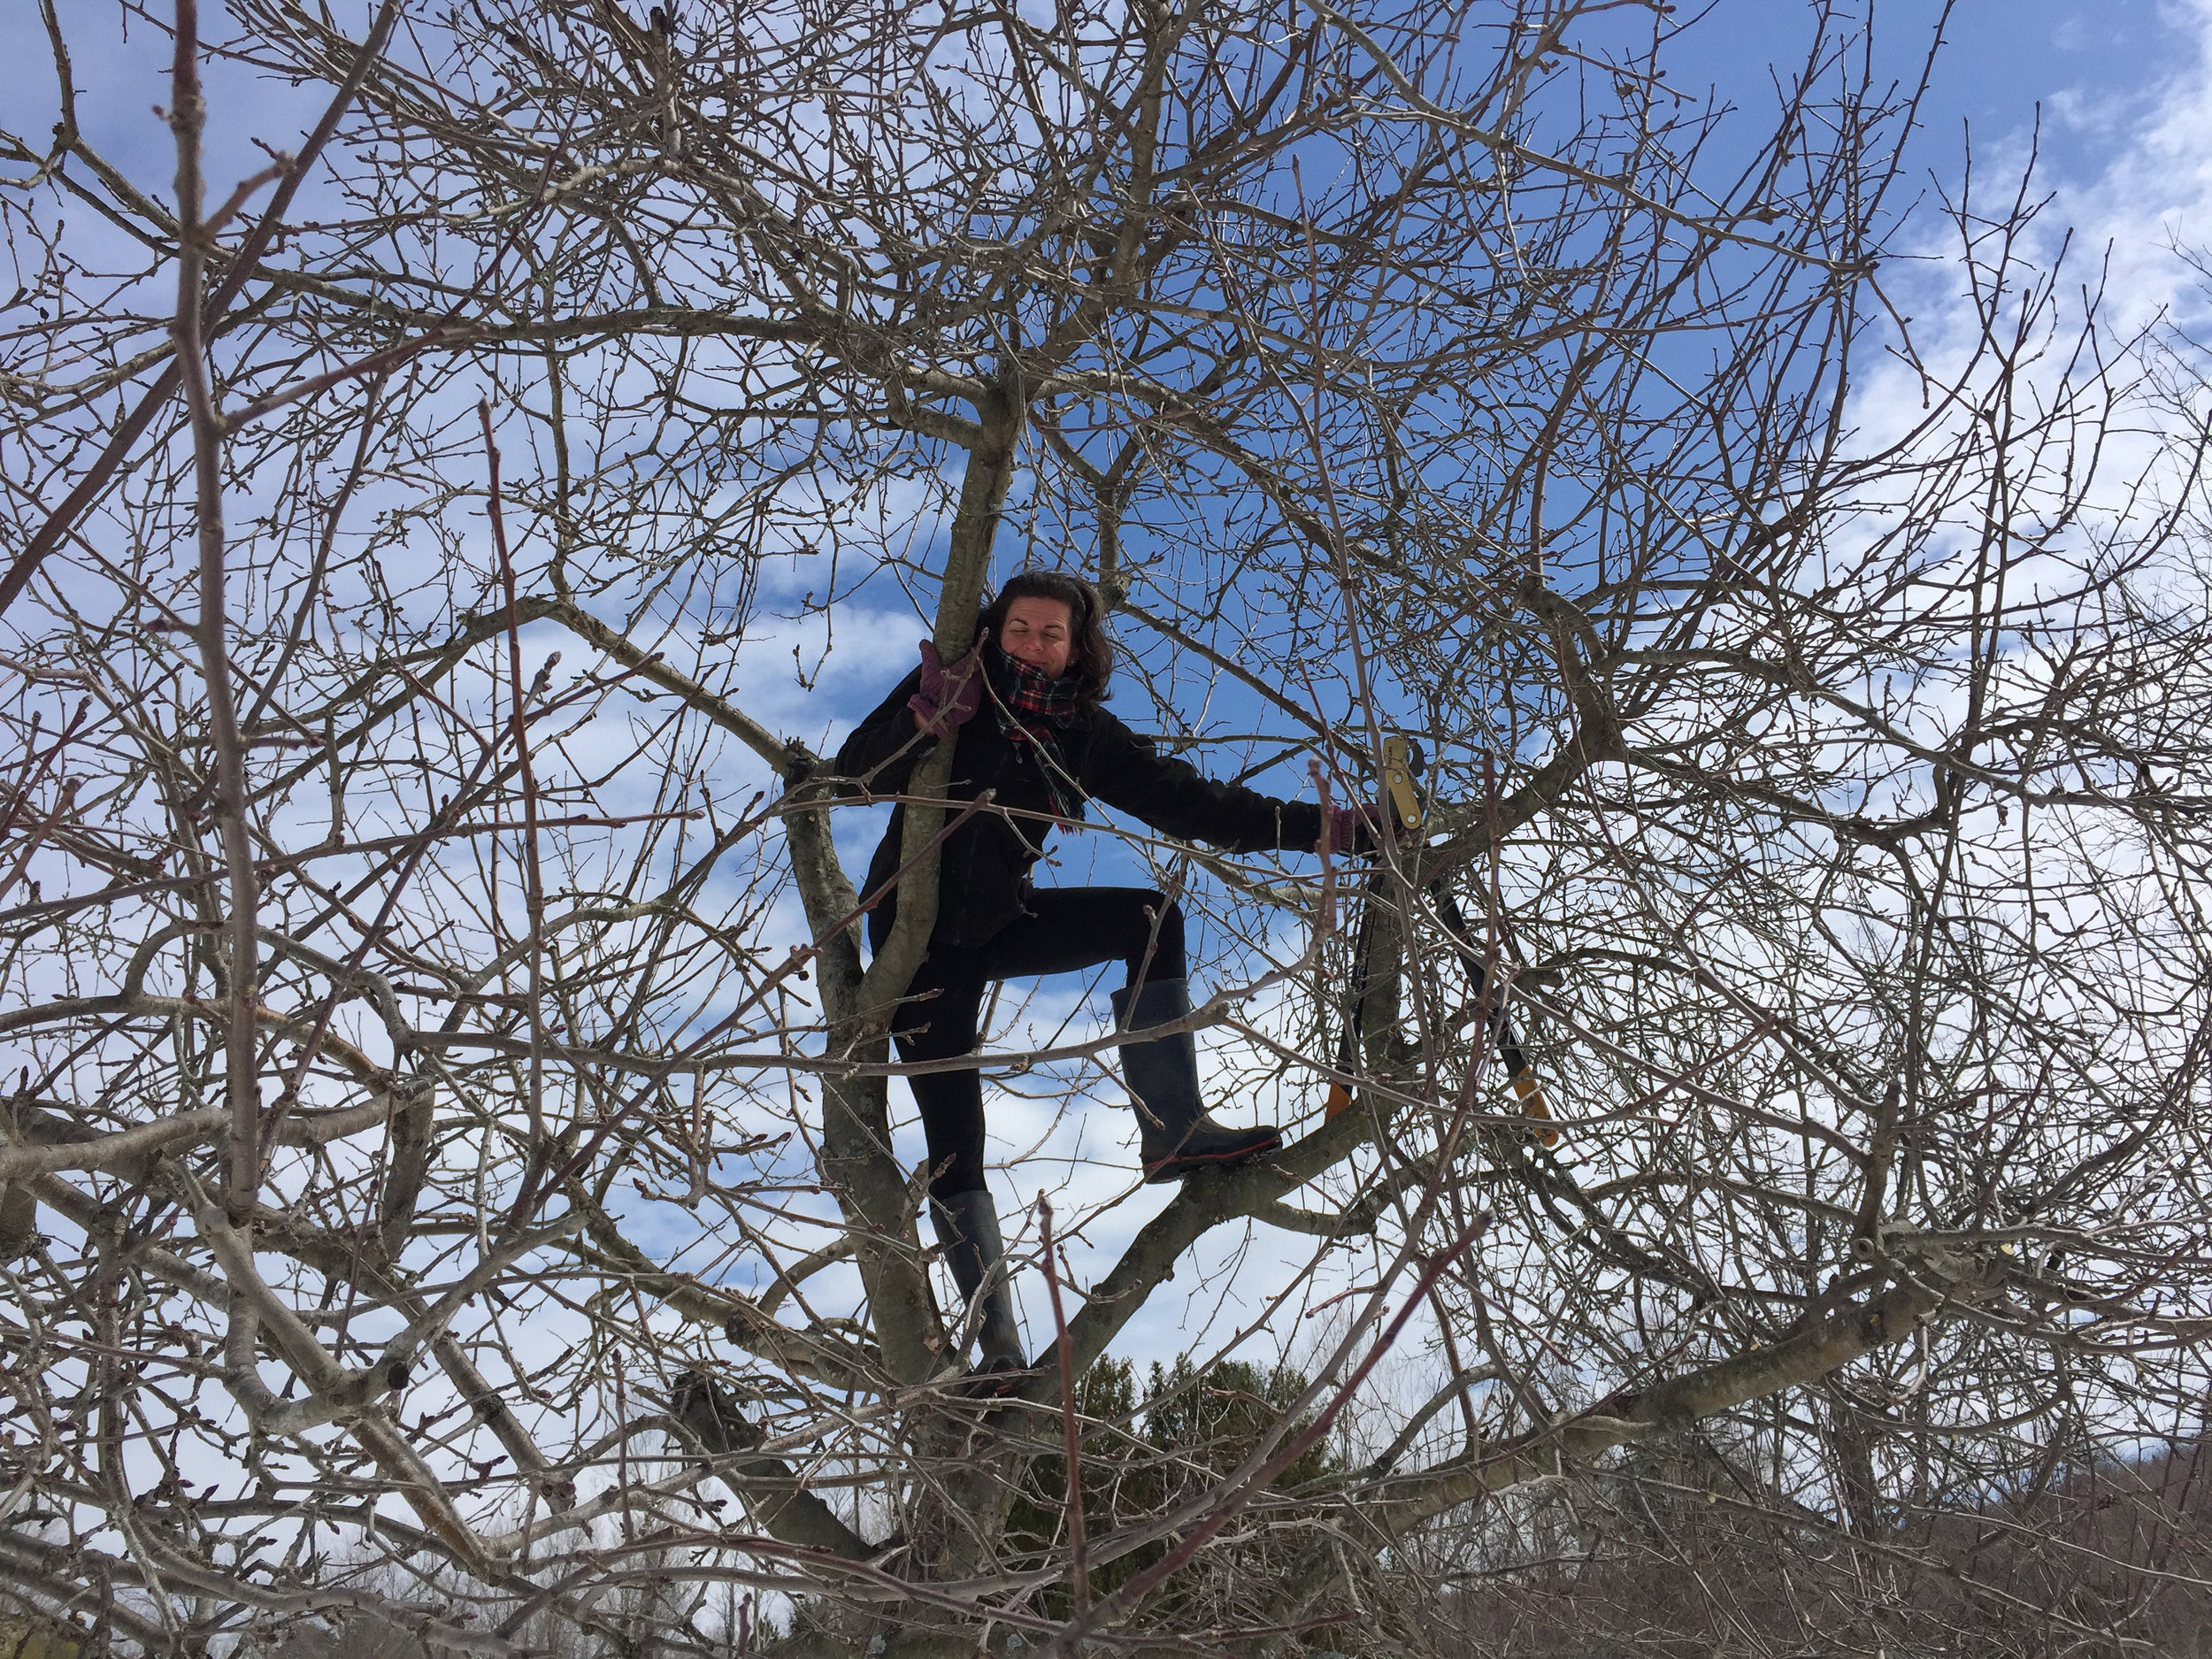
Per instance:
(1032,690)
(1018,690)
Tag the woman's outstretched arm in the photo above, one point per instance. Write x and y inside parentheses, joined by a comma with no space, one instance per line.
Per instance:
(1128,772)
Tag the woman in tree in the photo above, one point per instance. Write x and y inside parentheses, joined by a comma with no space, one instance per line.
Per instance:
(1024,708)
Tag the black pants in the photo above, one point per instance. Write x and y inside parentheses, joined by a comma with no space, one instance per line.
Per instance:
(1068,929)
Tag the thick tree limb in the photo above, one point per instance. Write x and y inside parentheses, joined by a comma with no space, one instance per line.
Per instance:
(1669,1407)
(796,1515)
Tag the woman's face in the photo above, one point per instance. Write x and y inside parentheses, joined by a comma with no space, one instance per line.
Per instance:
(1039,632)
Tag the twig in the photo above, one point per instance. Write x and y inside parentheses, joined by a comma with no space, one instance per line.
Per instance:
(187,116)
(533,890)
(1078,1547)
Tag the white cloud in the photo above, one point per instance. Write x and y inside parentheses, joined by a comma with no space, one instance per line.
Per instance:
(2157,192)
(2122,221)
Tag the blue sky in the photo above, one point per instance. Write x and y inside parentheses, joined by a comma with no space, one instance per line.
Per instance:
(2090,65)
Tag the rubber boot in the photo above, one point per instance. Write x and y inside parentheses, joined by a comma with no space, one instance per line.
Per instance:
(1179,1137)
(967,1227)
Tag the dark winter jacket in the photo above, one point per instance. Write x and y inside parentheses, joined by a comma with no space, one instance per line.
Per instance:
(983,875)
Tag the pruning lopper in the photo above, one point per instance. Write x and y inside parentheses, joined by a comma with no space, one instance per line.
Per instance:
(1405,803)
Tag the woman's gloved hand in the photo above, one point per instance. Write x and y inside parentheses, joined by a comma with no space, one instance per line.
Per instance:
(948,696)
(1343,830)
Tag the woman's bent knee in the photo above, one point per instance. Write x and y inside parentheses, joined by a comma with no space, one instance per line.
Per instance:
(1159,956)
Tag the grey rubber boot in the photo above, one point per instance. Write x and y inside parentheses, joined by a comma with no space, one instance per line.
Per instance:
(967,1226)
(1178,1136)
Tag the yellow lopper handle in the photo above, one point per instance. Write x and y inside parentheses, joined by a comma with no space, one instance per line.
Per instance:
(1534,1105)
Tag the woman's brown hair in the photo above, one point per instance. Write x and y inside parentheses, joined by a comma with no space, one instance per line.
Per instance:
(1091,652)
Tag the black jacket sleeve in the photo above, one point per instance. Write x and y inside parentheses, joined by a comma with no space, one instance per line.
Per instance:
(883,749)
(1125,771)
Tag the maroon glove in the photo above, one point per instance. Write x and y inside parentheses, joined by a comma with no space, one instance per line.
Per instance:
(1343,830)
(948,696)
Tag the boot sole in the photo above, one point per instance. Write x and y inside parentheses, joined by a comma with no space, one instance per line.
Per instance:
(1176,1166)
